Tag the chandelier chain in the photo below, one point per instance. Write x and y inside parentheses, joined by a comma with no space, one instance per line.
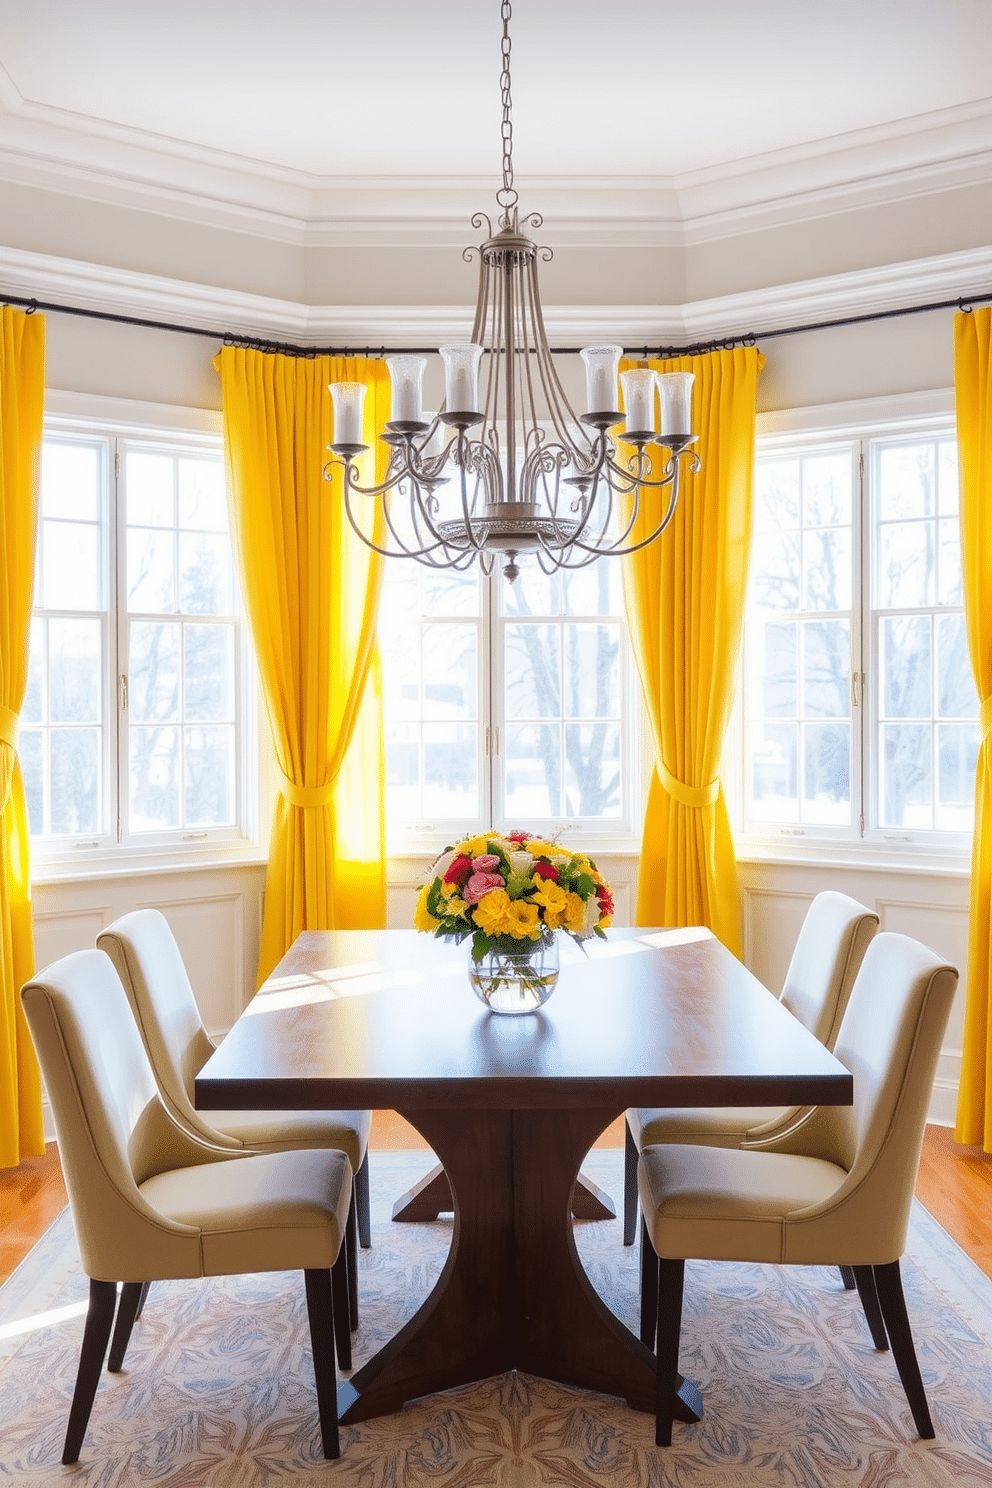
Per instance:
(506,196)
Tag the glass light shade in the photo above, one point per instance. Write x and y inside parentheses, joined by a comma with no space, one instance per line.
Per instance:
(406,375)
(348,399)
(638,399)
(601,377)
(676,401)
(461,377)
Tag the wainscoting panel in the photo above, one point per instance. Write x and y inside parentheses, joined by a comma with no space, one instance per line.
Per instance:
(931,906)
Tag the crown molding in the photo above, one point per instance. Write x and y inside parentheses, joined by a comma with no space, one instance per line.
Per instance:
(42,146)
(218,310)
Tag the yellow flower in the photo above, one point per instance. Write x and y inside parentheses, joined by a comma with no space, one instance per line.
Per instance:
(575,912)
(523,920)
(422,918)
(491,913)
(539,848)
(456,906)
(554,901)
(476,846)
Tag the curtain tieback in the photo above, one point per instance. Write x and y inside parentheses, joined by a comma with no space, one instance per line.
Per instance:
(985,718)
(693,796)
(8,727)
(307,795)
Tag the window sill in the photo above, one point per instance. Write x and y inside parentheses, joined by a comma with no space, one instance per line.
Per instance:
(866,858)
(117,864)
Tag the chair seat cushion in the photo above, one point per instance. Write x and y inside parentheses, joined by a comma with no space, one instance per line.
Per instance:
(723,1126)
(718,1203)
(271,1211)
(278,1131)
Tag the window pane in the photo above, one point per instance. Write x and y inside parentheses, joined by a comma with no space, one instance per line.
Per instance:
(827,569)
(71,480)
(75,685)
(957,757)
(208,673)
(595,590)
(71,571)
(532,771)
(779,674)
(154,779)
(905,666)
(827,668)
(775,774)
(209,768)
(907,776)
(75,777)
(775,581)
(450,774)
(450,671)
(533,671)
(827,490)
(827,774)
(906,481)
(154,672)
(947,477)
(776,495)
(151,572)
(30,750)
(202,495)
(949,586)
(592,681)
(206,580)
(592,770)
(956,693)
(905,572)
(34,693)
(150,480)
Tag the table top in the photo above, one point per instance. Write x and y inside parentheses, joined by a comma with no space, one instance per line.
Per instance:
(386,1019)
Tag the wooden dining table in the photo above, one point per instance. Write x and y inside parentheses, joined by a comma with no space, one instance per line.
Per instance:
(511,1105)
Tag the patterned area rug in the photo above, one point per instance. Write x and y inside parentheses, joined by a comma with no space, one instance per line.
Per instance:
(218,1390)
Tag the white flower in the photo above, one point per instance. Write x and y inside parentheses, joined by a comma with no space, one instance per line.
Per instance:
(591,917)
(520,862)
(443,863)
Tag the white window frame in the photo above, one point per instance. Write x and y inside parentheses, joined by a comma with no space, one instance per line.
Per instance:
(116,421)
(864,420)
(620,834)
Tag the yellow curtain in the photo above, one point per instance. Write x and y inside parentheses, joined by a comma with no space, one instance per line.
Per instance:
(22,397)
(311,589)
(684,598)
(973,390)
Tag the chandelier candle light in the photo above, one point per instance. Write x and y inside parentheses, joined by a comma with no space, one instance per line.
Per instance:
(532,478)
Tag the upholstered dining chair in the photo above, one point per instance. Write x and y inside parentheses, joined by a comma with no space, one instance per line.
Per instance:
(151,1201)
(835,1188)
(150,965)
(832,941)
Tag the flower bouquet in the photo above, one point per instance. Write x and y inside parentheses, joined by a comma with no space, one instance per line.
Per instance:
(511,894)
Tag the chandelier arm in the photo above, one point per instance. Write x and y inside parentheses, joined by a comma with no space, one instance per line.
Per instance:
(614,550)
(382,491)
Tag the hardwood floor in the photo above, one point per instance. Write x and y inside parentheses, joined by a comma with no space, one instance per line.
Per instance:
(955,1184)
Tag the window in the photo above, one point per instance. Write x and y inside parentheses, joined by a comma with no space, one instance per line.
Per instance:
(506,704)
(860,710)
(131,732)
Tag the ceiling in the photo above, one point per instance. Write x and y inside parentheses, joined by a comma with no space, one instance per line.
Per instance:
(327,91)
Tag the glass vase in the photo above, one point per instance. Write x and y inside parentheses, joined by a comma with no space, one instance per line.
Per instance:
(518,978)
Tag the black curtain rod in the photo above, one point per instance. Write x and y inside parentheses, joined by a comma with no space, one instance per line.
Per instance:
(963,303)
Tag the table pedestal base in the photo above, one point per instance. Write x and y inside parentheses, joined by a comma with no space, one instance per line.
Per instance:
(513,1293)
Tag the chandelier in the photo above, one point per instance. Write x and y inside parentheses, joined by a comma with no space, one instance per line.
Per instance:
(506,467)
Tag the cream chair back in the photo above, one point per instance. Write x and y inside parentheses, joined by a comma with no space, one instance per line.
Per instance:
(835,933)
(113,1130)
(151,969)
(890,1040)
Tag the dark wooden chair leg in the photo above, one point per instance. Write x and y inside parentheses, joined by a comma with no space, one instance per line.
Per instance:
(145,1285)
(671,1279)
(362,1204)
(847,1277)
(888,1284)
(649,1289)
(99,1320)
(132,1295)
(629,1186)
(320,1310)
(864,1280)
(340,1286)
(351,1241)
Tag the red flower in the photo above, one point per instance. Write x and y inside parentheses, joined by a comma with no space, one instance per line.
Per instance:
(518,836)
(458,871)
(604,899)
(544,869)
